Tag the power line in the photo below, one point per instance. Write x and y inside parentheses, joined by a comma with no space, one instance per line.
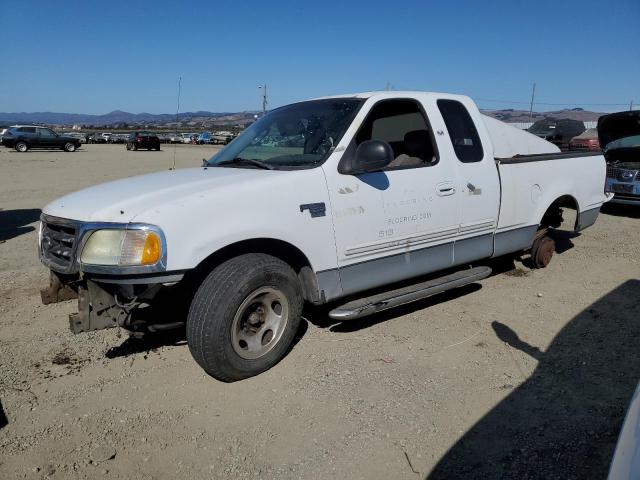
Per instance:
(492,100)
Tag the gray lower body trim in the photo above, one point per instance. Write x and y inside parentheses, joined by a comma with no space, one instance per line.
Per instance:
(472,249)
(363,276)
(587,218)
(329,284)
(514,240)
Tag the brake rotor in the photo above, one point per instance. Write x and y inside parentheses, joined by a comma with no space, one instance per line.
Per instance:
(542,251)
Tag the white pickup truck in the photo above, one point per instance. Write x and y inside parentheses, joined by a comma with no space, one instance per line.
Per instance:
(345,197)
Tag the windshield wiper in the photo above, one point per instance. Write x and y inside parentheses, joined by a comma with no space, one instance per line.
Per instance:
(250,161)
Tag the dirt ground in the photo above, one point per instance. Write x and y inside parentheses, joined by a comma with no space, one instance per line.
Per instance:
(524,375)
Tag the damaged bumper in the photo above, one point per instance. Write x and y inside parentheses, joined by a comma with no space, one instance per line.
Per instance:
(108,302)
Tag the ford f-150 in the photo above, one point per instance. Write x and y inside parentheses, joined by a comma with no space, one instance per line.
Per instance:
(334,200)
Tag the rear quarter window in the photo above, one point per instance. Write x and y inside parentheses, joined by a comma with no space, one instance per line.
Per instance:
(462,130)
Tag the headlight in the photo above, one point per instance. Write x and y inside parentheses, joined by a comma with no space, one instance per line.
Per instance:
(122,247)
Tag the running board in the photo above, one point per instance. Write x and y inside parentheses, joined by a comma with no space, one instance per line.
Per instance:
(382,301)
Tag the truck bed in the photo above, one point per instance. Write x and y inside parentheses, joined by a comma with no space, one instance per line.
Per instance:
(540,157)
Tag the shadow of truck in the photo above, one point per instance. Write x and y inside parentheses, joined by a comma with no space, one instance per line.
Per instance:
(563,422)
(14,223)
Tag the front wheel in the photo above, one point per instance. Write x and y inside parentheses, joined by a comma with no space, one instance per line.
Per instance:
(22,147)
(69,147)
(244,316)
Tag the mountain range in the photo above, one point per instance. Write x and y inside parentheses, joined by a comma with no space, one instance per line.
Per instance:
(119,117)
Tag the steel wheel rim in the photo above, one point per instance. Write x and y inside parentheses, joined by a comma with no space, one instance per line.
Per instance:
(22,147)
(259,323)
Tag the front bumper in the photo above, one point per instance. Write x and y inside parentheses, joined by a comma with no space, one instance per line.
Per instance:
(626,200)
(624,184)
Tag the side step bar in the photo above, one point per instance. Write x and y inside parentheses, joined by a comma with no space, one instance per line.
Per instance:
(382,301)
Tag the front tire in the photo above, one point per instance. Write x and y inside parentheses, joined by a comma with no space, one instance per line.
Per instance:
(21,147)
(244,316)
(69,147)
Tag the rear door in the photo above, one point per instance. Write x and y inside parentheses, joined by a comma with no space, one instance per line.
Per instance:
(28,134)
(478,183)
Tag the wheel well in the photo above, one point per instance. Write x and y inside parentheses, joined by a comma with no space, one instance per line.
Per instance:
(285,251)
(553,215)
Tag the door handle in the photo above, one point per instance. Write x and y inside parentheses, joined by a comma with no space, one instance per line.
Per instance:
(444,189)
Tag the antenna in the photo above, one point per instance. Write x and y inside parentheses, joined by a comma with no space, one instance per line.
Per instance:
(175,145)
(264,98)
(533,94)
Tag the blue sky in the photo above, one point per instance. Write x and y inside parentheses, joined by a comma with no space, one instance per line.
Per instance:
(94,57)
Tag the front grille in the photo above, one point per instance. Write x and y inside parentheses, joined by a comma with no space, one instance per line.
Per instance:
(58,245)
(622,174)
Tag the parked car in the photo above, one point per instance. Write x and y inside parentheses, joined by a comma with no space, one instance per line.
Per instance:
(558,132)
(118,138)
(620,137)
(372,189)
(587,140)
(24,137)
(187,137)
(204,137)
(96,138)
(138,140)
(176,138)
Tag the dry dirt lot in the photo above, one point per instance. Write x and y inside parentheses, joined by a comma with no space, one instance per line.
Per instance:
(526,375)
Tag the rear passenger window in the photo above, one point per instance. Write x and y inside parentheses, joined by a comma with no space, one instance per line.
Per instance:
(463,133)
(27,129)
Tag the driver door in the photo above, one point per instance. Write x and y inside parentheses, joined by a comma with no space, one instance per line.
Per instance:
(46,138)
(400,222)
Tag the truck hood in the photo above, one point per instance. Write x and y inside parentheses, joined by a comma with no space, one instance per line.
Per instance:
(616,126)
(123,200)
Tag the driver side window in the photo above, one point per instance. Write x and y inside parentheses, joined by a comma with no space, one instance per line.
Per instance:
(402,124)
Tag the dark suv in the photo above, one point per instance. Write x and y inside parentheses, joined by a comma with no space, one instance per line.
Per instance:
(559,132)
(138,140)
(24,137)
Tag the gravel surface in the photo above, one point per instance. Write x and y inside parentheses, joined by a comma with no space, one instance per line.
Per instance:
(526,374)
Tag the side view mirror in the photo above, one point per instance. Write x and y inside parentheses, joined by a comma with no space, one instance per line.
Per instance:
(372,156)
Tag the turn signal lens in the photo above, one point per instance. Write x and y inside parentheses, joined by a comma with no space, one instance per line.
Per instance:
(152,250)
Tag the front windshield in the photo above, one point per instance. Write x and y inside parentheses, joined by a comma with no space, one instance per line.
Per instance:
(301,135)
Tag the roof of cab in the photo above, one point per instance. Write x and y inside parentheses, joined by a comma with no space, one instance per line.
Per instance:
(396,94)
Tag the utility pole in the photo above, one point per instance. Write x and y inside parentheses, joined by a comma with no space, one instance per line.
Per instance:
(533,94)
(631,105)
(264,97)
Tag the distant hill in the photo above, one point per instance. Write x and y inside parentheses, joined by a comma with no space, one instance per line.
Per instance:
(518,116)
(220,118)
(120,117)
